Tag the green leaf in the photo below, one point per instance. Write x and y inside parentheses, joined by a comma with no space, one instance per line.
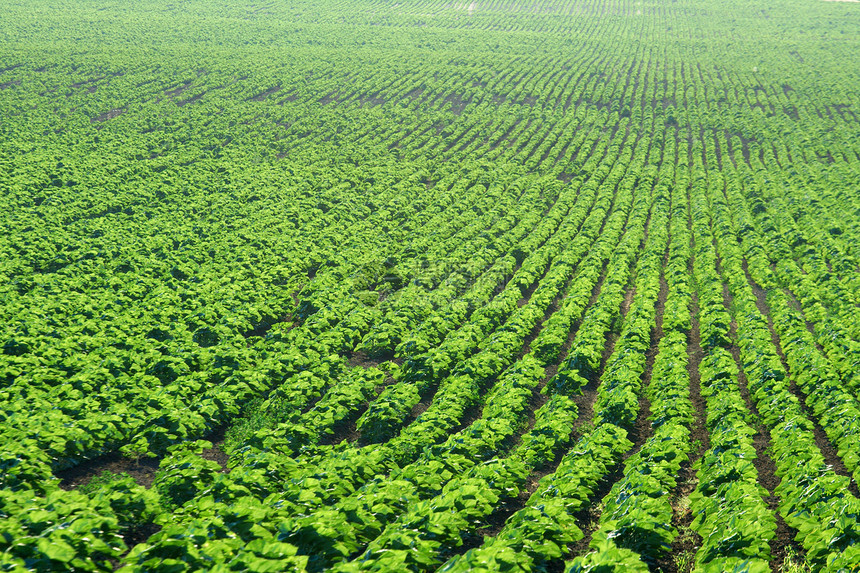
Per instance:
(56,549)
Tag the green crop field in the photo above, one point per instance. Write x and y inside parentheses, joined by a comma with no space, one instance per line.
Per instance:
(430,285)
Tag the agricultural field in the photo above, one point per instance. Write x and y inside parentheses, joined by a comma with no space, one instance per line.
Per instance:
(430,285)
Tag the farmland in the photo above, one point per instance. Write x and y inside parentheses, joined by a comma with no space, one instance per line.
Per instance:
(419,285)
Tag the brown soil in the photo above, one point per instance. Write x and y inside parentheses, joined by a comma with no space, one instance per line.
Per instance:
(192,99)
(419,409)
(536,402)
(140,534)
(641,430)
(360,359)
(830,454)
(141,470)
(216,453)
(178,90)
(471,414)
(262,328)
(628,300)
(415,92)
(766,470)
(108,115)
(346,431)
(688,541)
(642,427)
(265,94)
(458,103)
(290,98)
(695,354)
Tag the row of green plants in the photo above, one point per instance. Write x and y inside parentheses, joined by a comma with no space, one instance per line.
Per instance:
(728,479)
(177,179)
(368,456)
(813,371)
(636,515)
(541,532)
(479,440)
(379,555)
(813,499)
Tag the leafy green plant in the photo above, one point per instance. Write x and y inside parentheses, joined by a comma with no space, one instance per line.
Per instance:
(103,480)
(183,474)
(792,562)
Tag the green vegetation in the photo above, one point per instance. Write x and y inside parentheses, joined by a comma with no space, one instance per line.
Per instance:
(503,285)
